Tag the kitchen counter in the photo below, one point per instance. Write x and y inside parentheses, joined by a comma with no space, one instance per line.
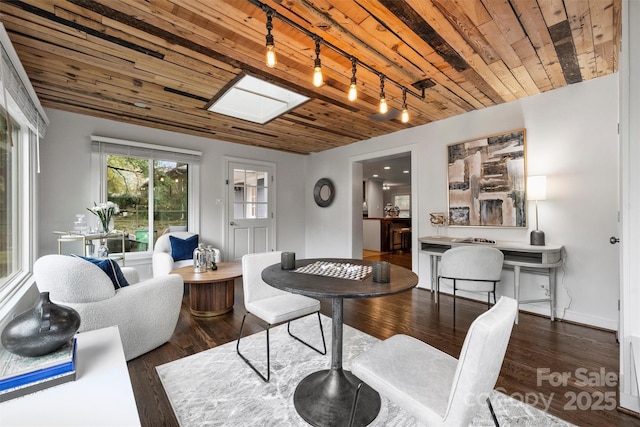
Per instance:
(378,234)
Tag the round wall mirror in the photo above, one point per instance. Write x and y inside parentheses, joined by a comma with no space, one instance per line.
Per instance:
(323,192)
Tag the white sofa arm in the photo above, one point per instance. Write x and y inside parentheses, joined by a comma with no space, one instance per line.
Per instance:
(162,264)
(131,274)
(135,309)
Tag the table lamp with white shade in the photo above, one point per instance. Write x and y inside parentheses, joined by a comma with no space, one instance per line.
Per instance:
(537,190)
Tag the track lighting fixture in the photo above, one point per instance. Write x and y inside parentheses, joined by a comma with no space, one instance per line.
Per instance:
(317,66)
(271,53)
(318,79)
(353,89)
(383,102)
(404,117)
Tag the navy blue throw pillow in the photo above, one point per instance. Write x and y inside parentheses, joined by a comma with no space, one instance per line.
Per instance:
(111,268)
(182,249)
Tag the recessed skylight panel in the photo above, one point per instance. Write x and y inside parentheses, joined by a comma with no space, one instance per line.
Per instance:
(255,100)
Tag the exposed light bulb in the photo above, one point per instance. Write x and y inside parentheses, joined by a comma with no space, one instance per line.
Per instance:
(404,117)
(271,60)
(317,66)
(383,106)
(270,57)
(353,92)
(383,102)
(353,88)
(317,76)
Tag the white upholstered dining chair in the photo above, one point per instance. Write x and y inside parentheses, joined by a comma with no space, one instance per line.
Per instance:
(272,306)
(474,268)
(434,387)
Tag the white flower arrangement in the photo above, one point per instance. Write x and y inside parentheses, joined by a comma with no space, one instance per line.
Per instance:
(104,211)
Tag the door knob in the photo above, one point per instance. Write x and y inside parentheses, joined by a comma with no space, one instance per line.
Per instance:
(233,223)
(613,240)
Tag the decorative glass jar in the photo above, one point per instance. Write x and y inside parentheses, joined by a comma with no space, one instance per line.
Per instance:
(211,258)
(200,259)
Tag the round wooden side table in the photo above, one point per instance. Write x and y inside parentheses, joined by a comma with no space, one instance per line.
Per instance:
(211,293)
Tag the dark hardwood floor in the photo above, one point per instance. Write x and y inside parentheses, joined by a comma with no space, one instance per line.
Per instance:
(539,350)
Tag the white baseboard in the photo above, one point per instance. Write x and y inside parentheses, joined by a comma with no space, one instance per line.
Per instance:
(586,319)
(424,285)
(629,402)
(543,309)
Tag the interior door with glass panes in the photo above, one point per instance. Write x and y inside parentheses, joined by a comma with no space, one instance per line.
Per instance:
(250,228)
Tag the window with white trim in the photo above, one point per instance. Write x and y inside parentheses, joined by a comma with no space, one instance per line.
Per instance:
(22,123)
(154,187)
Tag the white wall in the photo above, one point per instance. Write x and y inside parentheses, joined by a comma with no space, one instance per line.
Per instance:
(571,136)
(65,184)
(375,201)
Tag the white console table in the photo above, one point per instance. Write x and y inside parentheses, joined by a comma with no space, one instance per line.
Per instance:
(101,395)
(516,255)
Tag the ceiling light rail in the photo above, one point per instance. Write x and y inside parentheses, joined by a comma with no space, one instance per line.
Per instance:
(317,78)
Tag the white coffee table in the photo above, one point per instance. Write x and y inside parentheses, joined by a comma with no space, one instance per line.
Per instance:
(101,395)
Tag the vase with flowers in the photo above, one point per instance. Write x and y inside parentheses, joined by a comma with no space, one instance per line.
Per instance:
(105,213)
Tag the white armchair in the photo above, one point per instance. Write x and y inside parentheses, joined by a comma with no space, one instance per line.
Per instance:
(146,313)
(163,262)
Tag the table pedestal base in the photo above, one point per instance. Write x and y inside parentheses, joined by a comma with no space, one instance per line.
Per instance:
(324,399)
(211,299)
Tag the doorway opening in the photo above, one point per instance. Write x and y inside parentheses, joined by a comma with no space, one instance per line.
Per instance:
(387,194)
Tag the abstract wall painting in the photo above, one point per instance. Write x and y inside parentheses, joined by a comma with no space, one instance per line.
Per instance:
(486,179)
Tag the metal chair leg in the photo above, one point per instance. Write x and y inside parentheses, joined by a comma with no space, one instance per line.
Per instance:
(355,404)
(454,303)
(324,344)
(493,414)
(489,296)
(268,377)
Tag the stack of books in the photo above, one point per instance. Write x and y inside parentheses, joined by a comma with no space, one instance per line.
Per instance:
(20,375)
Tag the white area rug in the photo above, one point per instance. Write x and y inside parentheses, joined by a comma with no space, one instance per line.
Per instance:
(216,388)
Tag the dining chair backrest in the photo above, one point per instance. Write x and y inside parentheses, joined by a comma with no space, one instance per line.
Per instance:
(253,286)
(471,264)
(480,361)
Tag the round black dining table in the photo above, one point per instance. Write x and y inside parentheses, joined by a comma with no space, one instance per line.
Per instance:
(325,398)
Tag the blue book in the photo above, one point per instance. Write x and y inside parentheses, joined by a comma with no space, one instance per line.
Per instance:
(17,371)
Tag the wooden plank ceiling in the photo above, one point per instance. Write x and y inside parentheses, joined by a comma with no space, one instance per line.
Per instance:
(100,58)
